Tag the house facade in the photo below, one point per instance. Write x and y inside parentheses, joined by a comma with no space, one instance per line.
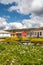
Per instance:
(36,33)
(31,32)
(4,34)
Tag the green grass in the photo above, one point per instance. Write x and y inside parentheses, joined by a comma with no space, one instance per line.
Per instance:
(20,54)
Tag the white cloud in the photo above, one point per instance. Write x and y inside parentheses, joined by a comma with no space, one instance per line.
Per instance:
(22,7)
(28,6)
(2,23)
(12,25)
(25,7)
(31,6)
(33,22)
(13,8)
(37,7)
(6,1)
(15,25)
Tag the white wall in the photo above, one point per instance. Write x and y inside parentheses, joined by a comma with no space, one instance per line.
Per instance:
(33,31)
(5,35)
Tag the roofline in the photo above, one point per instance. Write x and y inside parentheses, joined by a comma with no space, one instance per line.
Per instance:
(25,29)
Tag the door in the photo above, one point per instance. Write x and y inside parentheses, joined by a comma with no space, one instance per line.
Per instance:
(38,34)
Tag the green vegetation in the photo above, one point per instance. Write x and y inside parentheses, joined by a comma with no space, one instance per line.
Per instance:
(35,41)
(18,54)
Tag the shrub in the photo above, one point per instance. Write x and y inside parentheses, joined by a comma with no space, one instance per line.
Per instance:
(15,38)
(2,48)
(37,40)
(11,39)
(24,38)
(7,39)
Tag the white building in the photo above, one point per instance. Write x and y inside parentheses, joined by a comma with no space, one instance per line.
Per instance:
(4,34)
(36,32)
(30,32)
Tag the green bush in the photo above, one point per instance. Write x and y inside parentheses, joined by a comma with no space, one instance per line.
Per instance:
(36,40)
(15,38)
(11,39)
(2,48)
(7,40)
(23,38)
(21,54)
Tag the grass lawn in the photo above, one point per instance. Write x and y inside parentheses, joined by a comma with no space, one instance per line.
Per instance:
(20,54)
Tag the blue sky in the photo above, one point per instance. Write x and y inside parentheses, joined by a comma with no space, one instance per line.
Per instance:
(17,14)
(14,15)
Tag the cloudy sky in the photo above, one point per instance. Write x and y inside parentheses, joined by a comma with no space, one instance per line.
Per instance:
(18,14)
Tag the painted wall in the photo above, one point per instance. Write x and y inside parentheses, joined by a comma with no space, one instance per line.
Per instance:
(5,35)
(37,33)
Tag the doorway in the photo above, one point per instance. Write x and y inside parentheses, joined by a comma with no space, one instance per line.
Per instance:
(38,34)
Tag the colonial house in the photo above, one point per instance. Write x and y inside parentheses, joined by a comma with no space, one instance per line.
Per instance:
(30,32)
(36,32)
(23,33)
(4,34)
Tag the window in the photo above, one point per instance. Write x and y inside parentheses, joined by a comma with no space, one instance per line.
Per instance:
(40,33)
(35,33)
(30,34)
